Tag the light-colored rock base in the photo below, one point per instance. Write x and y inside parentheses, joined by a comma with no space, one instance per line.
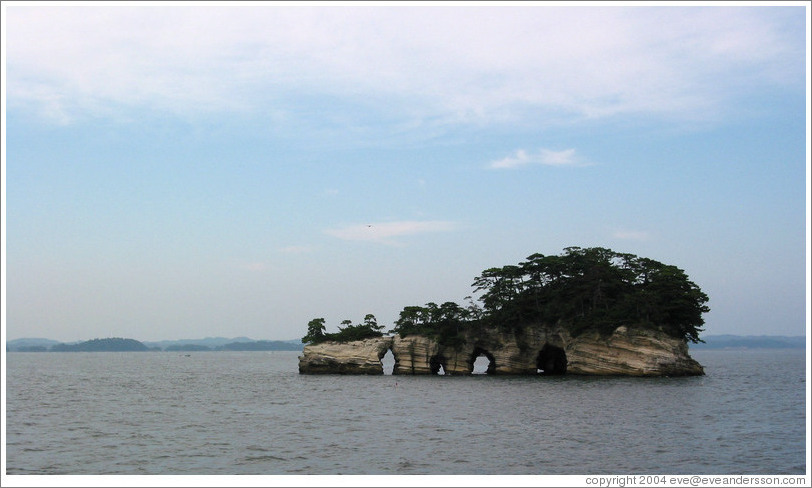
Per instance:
(533,350)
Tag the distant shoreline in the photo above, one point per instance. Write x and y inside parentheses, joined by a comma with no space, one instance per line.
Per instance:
(723,341)
(131,345)
(730,341)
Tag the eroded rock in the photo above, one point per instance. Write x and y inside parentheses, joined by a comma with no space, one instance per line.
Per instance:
(528,351)
(357,357)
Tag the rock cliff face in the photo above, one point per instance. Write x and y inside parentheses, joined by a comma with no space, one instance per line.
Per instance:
(529,351)
(357,357)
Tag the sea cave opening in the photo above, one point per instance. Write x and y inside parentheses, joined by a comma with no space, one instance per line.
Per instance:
(437,365)
(482,362)
(388,362)
(551,360)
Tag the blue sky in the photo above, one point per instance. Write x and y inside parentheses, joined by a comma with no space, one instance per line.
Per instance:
(192,171)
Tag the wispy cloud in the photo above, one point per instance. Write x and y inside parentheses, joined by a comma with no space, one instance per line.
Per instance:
(384,232)
(547,157)
(435,63)
(632,235)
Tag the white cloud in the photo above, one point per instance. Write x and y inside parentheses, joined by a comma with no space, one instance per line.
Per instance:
(447,64)
(383,232)
(544,156)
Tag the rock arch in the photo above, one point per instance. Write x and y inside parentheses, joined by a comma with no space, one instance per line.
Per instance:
(478,351)
(384,367)
(629,352)
(436,362)
(551,360)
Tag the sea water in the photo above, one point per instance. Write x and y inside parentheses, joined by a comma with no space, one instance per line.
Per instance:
(230,413)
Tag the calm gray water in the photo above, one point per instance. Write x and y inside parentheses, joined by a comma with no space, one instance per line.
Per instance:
(252,413)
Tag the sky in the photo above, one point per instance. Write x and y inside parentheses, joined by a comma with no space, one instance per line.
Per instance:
(195,170)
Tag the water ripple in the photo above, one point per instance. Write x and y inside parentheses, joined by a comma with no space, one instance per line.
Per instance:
(252,413)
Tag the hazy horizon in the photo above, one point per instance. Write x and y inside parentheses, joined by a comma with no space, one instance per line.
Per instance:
(299,338)
(193,171)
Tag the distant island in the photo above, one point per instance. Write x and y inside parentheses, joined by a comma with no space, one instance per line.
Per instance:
(111,344)
(729,341)
(722,341)
(118,344)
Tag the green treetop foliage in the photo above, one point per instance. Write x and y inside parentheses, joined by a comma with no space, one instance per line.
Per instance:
(347,332)
(444,322)
(581,289)
(594,289)
(315,332)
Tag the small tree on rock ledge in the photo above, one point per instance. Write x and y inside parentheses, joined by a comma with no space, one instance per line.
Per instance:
(315,332)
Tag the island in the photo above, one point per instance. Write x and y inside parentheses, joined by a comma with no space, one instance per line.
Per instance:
(118,344)
(587,311)
(112,344)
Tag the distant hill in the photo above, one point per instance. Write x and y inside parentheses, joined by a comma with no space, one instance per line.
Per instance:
(186,347)
(210,342)
(728,341)
(723,341)
(261,346)
(30,344)
(118,344)
(31,349)
(102,345)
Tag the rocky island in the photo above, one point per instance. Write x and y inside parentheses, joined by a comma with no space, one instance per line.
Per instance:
(537,351)
(586,312)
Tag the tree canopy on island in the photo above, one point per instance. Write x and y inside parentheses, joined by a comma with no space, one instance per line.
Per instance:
(581,289)
(594,288)
(316,331)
